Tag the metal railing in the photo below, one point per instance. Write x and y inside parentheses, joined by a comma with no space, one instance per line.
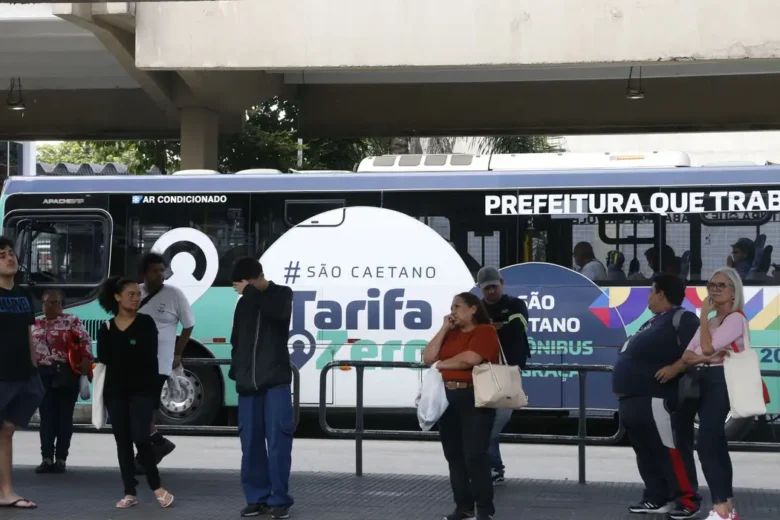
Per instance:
(360,432)
(174,429)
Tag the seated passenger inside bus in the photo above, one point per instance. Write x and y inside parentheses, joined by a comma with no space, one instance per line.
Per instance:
(586,264)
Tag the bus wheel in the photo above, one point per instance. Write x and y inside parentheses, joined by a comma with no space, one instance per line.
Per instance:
(736,429)
(201,402)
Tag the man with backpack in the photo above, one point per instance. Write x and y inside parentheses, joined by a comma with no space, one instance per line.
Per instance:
(645,379)
(510,318)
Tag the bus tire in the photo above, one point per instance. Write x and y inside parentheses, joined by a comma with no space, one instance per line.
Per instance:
(203,395)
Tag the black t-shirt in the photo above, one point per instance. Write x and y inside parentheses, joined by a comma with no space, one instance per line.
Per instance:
(512,313)
(654,346)
(17,315)
(130,357)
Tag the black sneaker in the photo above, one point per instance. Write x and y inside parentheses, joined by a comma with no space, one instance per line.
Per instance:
(498,477)
(255,510)
(681,513)
(45,467)
(280,512)
(164,449)
(59,467)
(460,515)
(648,507)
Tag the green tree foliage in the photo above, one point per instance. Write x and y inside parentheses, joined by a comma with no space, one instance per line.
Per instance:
(515,144)
(78,152)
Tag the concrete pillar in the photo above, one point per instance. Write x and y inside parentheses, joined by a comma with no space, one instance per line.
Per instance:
(28,160)
(199,139)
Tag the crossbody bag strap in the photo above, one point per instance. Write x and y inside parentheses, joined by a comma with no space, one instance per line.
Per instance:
(745,333)
(149,297)
(501,356)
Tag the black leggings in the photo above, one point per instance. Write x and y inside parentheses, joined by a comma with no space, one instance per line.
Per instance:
(130,420)
(56,411)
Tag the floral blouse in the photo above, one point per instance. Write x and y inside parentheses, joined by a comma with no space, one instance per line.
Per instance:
(53,339)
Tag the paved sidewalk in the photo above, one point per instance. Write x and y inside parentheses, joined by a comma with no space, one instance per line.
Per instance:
(90,494)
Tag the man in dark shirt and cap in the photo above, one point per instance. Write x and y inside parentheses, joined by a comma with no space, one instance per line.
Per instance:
(645,379)
(510,318)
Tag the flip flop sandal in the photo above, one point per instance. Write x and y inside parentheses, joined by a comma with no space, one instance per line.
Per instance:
(127,503)
(15,504)
(166,500)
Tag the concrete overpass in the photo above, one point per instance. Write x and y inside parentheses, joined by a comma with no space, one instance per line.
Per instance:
(432,67)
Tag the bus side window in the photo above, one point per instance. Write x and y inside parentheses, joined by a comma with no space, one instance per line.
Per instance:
(274,214)
(66,250)
(459,217)
(225,224)
(744,240)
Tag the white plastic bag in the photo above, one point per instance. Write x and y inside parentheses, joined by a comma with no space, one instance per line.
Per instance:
(99,413)
(432,399)
(84,387)
(743,379)
(175,390)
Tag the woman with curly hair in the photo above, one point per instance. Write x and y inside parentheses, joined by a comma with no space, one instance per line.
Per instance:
(127,346)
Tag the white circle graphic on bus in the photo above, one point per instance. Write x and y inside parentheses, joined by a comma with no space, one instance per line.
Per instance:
(183,264)
(370,284)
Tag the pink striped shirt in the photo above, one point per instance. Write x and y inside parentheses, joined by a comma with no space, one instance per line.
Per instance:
(730,331)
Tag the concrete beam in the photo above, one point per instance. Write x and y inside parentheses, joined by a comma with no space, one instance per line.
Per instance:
(312,34)
(227,91)
(558,108)
(112,114)
(110,23)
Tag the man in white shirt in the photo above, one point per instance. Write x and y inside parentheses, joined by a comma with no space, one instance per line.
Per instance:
(586,263)
(168,306)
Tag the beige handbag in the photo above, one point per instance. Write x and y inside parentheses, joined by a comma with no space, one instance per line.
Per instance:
(498,386)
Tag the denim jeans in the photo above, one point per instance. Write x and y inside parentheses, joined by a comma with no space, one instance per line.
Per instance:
(712,444)
(266,419)
(494,453)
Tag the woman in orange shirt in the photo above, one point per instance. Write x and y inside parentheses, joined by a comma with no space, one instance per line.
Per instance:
(465,339)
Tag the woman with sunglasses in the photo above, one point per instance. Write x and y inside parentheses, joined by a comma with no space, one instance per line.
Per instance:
(705,353)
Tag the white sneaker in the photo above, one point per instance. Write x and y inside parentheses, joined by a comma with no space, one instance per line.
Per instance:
(715,516)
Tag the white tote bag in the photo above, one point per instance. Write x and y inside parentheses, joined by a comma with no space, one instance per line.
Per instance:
(432,401)
(743,379)
(498,386)
(99,413)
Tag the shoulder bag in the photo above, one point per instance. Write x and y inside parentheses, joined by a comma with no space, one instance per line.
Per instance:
(498,386)
(688,385)
(743,378)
